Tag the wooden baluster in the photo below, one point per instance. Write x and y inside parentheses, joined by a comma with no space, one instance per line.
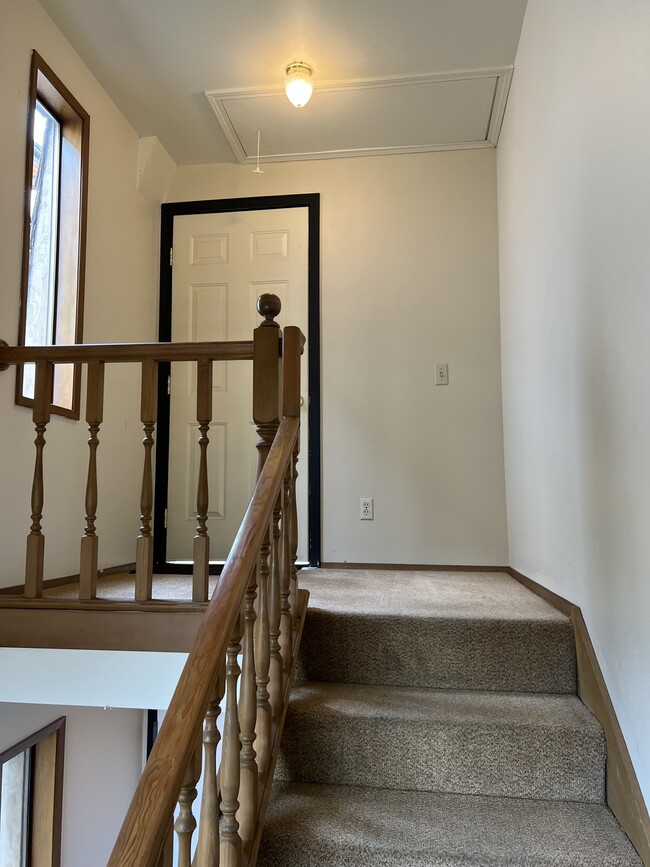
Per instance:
(201,572)
(275,669)
(229,774)
(286,612)
(262,664)
(35,556)
(185,824)
(266,396)
(293,526)
(207,850)
(89,541)
(248,788)
(294,344)
(144,544)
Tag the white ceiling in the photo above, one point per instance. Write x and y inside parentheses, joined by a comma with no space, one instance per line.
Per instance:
(389,76)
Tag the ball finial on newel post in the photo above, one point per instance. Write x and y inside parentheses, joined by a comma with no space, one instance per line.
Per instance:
(269,307)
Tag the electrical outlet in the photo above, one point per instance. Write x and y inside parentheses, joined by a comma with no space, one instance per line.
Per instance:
(367,509)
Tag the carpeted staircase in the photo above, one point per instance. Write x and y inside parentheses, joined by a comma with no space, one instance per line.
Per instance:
(435,722)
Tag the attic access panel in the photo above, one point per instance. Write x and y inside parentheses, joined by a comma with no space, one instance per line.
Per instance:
(360,118)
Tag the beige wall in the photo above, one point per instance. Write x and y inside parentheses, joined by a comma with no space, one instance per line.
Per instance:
(104,752)
(409,278)
(121,303)
(574,217)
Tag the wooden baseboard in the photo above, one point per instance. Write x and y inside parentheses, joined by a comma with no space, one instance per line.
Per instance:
(624,795)
(17,589)
(414,567)
(547,595)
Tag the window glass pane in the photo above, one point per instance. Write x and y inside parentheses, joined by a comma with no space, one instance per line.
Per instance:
(14,811)
(41,284)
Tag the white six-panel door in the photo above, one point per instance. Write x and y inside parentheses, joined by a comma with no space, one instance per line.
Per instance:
(221,264)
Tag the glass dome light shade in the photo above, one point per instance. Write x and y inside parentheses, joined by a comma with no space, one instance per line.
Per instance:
(298,85)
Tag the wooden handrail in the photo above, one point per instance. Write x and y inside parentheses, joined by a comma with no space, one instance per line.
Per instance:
(147,820)
(256,608)
(234,350)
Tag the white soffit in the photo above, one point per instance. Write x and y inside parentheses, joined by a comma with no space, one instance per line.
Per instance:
(409,114)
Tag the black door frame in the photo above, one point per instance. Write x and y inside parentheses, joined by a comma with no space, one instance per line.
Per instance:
(169,211)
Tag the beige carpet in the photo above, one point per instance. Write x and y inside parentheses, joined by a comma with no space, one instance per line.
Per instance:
(447,630)
(436,725)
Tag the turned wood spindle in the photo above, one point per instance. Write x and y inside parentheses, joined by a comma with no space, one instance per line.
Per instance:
(262,663)
(231,844)
(286,612)
(89,541)
(266,397)
(201,571)
(248,786)
(144,543)
(185,824)
(293,532)
(275,668)
(35,555)
(207,850)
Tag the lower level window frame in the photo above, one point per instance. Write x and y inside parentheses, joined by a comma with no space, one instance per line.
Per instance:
(45,792)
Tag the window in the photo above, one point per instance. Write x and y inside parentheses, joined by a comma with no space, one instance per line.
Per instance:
(31,797)
(54,232)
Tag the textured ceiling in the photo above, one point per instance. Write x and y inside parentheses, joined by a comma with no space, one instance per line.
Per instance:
(158,58)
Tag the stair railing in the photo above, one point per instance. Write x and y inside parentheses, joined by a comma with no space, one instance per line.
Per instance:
(256,612)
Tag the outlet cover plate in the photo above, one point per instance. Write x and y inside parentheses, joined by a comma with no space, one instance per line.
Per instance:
(367,509)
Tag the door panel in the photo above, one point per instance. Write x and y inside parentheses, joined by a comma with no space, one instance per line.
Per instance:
(222,263)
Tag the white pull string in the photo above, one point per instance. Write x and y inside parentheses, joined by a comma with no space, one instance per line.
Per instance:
(257,170)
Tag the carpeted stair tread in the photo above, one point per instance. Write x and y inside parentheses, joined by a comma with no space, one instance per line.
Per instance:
(327,826)
(479,631)
(424,594)
(435,724)
(515,745)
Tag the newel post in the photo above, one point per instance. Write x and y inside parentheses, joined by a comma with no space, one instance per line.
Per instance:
(293,347)
(266,415)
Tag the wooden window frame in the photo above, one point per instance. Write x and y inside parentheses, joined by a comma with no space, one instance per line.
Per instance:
(46,809)
(46,87)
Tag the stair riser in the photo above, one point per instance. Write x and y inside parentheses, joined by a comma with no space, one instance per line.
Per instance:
(465,759)
(315,826)
(502,656)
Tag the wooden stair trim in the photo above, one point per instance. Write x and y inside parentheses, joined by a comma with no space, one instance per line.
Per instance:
(558,602)
(130,605)
(171,631)
(17,589)
(624,795)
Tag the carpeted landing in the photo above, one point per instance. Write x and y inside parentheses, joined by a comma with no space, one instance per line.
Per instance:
(435,724)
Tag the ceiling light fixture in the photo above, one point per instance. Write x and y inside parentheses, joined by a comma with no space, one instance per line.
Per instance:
(298,85)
